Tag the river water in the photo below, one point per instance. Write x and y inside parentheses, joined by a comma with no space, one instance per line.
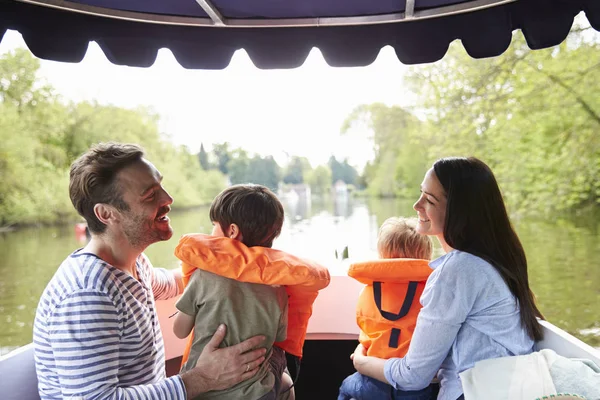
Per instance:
(564,261)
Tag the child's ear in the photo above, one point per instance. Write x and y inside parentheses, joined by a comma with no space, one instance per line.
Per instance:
(233,232)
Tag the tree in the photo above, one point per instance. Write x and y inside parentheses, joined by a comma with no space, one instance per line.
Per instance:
(294,173)
(349,174)
(336,170)
(222,155)
(319,179)
(533,116)
(40,136)
(203,158)
(18,70)
(238,167)
(398,137)
(342,171)
(265,171)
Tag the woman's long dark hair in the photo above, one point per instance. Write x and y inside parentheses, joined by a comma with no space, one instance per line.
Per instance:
(477,223)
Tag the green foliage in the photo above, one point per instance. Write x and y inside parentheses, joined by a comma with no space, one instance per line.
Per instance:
(40,136)
(265,171)
(296,170)
(398,142)
(203,158)
(262,171)
(343,255)
(319,180)
(222,155)
(342,171)
(238,166)
(533,116)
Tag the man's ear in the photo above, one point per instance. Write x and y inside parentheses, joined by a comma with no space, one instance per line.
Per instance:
(106,213)
(233,232)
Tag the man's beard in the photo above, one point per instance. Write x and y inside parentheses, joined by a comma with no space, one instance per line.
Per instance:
(141,233)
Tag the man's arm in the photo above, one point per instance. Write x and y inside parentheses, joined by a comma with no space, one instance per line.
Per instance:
(178,274)
(84,331)
(165,283)
(216,368)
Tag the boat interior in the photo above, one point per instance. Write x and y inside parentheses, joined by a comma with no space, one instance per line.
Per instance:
(332,336)
(281,35)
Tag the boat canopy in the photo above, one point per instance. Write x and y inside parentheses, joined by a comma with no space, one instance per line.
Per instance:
(204,34)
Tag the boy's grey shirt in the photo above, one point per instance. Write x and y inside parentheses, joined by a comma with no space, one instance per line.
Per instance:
(248,309)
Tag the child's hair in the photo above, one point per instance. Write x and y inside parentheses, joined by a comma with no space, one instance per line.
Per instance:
(398,238)
(256,211)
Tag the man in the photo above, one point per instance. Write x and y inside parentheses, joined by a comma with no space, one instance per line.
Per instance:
(96,332)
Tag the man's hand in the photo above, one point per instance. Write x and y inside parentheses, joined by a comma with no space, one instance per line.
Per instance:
(219,369)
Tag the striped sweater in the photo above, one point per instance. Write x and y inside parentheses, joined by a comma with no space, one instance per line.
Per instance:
(96,333)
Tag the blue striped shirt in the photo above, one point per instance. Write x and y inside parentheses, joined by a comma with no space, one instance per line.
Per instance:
(468,315)
(96,333)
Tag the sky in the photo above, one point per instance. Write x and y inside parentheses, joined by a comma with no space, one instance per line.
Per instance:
(278,112)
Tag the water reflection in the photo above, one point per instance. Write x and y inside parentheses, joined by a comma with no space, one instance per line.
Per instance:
(563,257)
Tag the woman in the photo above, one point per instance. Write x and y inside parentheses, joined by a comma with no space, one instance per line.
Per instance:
(477,303)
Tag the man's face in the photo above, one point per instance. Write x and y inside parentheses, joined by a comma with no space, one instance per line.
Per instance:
(146,221)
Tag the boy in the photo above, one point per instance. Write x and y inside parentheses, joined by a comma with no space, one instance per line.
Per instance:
(395,282)
(253,215)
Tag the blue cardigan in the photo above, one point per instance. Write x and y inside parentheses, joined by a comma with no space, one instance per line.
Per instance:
(468,315)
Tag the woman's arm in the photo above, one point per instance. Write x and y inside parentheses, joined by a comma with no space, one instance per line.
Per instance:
(369,366)
(429,347)
(447,300)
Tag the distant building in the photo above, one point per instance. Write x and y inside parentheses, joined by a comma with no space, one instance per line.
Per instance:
(295,192)
(340,188)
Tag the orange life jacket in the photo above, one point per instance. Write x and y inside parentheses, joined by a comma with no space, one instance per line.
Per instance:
(233,259)
(388,306)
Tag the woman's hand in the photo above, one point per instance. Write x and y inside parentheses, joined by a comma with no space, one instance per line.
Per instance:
(366,365)
(359,352)
(219,369)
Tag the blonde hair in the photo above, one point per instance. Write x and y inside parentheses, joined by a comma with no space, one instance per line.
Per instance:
(398,238)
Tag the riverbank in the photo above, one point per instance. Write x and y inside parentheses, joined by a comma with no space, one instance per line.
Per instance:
(76,220)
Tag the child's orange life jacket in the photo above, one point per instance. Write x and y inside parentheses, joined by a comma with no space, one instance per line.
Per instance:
(233,259)
(388,306)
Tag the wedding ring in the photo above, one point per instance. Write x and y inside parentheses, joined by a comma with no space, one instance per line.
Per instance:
(247,367)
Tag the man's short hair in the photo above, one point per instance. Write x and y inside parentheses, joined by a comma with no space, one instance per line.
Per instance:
(254,209)
(398,238)
(93,179)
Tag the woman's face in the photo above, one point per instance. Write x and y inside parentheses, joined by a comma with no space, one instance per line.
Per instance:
(431,207)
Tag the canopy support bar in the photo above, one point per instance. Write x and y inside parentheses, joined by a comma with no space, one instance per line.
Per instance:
(219,21)
(212,12)
(409,11)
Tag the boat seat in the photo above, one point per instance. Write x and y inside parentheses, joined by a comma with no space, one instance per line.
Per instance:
(19,380)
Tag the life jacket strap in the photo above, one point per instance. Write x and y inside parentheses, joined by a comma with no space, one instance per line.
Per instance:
(297,368)
(394,338)
(408,300)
